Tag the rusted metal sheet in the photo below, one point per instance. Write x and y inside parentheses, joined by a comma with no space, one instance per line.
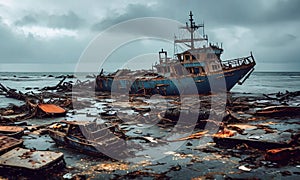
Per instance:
(283,154)
(76,122)
(279,111)
(197,135)
(262,141)
(7,143)
(224,134)
(12,131)
(51,109)
(32,160)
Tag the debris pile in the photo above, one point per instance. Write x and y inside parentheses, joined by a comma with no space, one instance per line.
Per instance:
(250,132)
(48,101)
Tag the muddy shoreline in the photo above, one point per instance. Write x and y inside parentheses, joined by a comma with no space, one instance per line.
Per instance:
(230,138)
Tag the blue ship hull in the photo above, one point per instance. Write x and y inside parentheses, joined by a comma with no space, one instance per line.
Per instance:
(202,84)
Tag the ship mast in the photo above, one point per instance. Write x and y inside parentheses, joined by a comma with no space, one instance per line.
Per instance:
(191,28)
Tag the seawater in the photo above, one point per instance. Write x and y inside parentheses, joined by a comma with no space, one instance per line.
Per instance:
(258,82)
(270,82)
(22,80)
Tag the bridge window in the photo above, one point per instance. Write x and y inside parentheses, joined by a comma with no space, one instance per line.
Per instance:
(179,56)
(178,70)
(210,56)
(215,67)
(196,70)
(187,57)
(202,70)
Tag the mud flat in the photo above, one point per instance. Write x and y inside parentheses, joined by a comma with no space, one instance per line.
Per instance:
(236,135)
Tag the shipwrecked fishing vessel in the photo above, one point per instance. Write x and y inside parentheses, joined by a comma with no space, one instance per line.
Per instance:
(172,76)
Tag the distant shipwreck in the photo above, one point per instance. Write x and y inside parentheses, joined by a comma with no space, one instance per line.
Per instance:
(200,62)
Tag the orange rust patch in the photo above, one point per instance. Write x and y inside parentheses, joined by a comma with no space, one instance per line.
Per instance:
(283,154)
(193,136)
(225,133)
(51,108)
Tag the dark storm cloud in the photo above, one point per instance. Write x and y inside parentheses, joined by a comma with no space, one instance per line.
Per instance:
(254,12)
(13,47)
(28,49)
(284,11)
(279,41)
(220,12)
(69,20)
(268,28)
(27,20)
(217,13)
(132,11)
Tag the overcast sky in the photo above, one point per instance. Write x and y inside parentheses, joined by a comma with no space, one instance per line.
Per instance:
(50,35)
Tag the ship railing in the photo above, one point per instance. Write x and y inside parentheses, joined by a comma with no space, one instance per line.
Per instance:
(244,61)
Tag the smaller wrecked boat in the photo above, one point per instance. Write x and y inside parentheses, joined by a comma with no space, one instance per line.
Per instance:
(12,131)
(31,162)
(88,137)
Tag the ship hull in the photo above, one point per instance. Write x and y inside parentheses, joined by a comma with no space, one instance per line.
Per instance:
(202,84)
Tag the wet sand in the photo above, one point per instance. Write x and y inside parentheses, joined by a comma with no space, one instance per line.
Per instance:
(198,157)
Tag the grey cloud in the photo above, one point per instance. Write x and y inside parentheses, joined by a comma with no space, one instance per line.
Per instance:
(284,11)
(273,34)
(217,13)
(132,11)
(278,40)
(27,20)
(68,20)
(235,12)
(13,47)
(27,49)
